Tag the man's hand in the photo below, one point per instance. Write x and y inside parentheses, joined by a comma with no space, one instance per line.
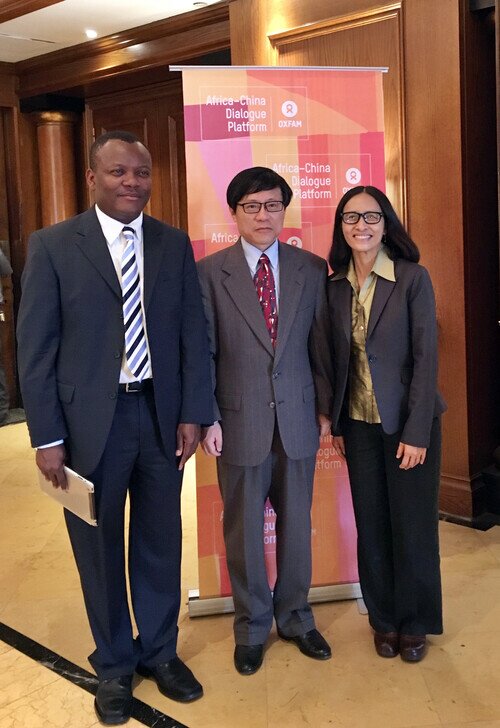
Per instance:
(339,446)
(211,440)
(410,455)
(50,460)
(188,437)
(325,425)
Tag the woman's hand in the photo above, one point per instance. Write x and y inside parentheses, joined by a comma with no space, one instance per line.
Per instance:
(325,425)
(410,456)
(338,446)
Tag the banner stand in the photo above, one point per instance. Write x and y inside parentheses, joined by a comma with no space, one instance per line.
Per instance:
(322,129)
(224,605)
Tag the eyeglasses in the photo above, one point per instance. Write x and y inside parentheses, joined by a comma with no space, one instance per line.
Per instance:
(351,218)
(252,208)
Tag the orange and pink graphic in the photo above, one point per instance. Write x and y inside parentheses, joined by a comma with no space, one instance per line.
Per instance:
(322,130)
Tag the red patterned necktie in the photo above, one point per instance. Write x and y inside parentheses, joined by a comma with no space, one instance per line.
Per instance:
(264,283)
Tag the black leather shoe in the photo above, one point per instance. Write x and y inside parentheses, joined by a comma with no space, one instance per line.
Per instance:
(412,647)
(312,644)
(174,679)
(248,658)
(113,700)
(386,643)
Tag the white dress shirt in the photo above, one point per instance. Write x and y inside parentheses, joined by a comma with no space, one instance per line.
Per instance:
(252,255)
(111,230)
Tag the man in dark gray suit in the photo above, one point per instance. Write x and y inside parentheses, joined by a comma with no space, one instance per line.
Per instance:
(266,311)
(98,289)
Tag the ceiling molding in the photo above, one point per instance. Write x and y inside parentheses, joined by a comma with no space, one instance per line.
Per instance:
(11,9)
(332,25)
(163,42)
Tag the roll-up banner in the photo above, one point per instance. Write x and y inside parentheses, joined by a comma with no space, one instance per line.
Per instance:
(322,129)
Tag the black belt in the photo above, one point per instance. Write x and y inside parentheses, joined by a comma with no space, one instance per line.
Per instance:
(136,387)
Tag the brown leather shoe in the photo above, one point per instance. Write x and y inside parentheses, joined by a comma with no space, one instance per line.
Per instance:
(386,643)
(412,647)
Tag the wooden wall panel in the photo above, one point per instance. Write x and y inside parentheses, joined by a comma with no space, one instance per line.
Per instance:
(251,21)
(435,204)
(359,39)
(8,81)
(481,235)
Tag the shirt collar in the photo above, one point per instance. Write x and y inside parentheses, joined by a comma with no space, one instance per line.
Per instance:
(112,228)
(252,254)
(383,267)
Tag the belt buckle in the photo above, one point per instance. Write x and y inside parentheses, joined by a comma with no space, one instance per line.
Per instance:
(129,388)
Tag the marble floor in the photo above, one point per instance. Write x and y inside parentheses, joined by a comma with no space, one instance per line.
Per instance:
(458,684)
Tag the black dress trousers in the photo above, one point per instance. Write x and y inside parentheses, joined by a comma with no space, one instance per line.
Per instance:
(397,521)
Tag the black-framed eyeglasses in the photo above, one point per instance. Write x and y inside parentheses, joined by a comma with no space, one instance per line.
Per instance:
(370,217)
(252,208)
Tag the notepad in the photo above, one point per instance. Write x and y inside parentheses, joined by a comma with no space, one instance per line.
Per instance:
(78,497)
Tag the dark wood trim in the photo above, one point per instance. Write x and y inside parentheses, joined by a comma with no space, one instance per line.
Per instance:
(8,96)
(151,92)
(167,41)
(476,5)
(11,9)
(464,498)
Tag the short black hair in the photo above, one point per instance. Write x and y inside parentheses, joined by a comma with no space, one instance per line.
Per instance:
(396,240)
(256,179)
(102,139)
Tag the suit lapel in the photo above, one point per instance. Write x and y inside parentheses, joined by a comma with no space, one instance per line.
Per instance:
(291,286)
(154,250)
(240,287)
(92,243)
(383,290)
(342,302)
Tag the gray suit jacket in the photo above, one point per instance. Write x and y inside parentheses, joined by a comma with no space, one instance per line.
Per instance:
(71,336)
(255,385)
(401,346)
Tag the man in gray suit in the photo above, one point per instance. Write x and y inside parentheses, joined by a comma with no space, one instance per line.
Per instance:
(266,311)
(115,375)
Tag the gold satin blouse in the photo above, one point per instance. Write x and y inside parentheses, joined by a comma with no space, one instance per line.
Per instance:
(362,402)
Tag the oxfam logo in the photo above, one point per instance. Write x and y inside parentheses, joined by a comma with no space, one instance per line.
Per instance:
(289,109)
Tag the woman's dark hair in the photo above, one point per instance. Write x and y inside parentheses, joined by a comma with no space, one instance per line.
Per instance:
(256,179)
(396,240)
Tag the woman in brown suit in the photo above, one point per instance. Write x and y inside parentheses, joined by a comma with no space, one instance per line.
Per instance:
(386,417)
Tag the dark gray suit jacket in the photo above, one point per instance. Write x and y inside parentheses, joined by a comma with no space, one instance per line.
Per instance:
(401,346)
(71,336)
(254,385)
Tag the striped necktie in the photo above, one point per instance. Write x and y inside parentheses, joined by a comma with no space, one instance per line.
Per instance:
(136,350)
